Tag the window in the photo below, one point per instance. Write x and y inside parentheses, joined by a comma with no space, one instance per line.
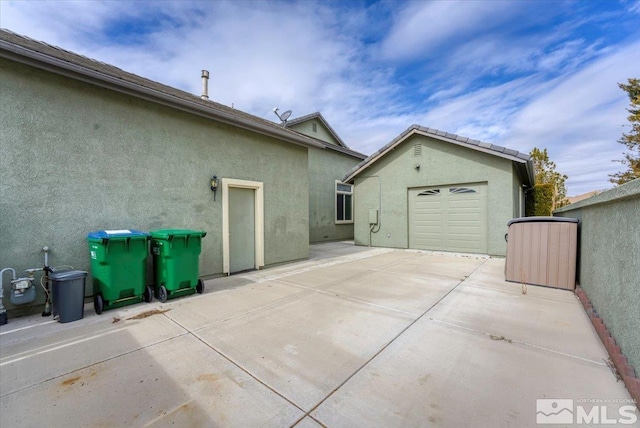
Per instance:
(461,190)
(430,192)
(344,203)
(314,127)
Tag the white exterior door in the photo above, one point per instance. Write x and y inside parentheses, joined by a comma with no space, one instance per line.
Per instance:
(449,218)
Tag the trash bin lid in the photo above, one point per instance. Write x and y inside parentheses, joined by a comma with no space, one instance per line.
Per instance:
(120,233)
(67,275)
(542,219)
(169,233)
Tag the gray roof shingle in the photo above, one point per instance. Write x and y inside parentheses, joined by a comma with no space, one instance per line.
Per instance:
(342,148)
(43,55)
(522,160)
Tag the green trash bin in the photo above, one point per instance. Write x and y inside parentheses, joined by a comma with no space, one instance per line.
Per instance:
(176,267)
(119,268)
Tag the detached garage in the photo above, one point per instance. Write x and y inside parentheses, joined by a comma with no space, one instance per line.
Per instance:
(432,190)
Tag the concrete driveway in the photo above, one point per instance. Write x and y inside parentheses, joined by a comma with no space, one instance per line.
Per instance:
(353,337)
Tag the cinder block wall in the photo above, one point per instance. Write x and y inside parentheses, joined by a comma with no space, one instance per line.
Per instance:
(609,261)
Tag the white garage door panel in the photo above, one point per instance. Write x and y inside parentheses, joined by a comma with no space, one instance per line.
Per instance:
(464,232)
(449,218)
(463,202)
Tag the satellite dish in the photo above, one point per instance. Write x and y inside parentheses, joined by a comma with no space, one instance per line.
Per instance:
(284,116)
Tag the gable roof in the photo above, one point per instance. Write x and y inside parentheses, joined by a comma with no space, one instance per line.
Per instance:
(340,149)
(522,161)
(54,59)
(317,115)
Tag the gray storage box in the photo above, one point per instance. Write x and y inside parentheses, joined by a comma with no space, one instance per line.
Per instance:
(68,294)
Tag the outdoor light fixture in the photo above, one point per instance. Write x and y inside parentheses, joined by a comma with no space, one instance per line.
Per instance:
(417,167)
(214,186)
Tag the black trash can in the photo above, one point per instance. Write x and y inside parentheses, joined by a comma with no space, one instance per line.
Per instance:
(67,289)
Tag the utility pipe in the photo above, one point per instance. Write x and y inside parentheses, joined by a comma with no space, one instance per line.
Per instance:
(372,226)
(3,311)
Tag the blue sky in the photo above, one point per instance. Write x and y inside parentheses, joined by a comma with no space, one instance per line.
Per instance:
(514,73)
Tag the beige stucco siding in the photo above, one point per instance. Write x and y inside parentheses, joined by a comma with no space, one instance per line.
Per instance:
(385,185)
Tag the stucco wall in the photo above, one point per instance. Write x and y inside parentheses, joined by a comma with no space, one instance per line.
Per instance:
(384,186)
(321,133)
(325,167)
(609,261)
(76,158)
(517,190)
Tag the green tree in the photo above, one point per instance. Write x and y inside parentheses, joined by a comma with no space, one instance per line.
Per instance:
(632,139)
(550,192)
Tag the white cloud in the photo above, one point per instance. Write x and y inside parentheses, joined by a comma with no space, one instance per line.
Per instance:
(422,27)
(580,119)
(490,78)
(634,7)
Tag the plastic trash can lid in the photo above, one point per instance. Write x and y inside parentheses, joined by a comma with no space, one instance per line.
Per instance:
(167,233)
(67,275)
(542,219)
(120,233)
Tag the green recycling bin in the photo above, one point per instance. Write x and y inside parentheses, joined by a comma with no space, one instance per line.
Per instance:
(176,267)
(119,268)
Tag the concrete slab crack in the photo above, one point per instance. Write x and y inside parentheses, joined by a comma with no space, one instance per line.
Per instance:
(366,363)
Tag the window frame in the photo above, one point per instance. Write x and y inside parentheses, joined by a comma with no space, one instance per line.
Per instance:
(342,193)
(430,192)
(462,190)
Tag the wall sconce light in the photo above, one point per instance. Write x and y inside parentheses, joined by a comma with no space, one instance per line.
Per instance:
(417,167)
(214,185)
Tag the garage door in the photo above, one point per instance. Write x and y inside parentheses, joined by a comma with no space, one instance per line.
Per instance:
(449,218)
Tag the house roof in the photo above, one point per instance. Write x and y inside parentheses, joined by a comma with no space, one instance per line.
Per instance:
(578,198)
(342,148)
(54,59)
(523,161)
(317,115)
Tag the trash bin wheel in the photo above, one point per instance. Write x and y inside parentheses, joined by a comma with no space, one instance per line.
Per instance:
(98,304)
(162,293)
(200,286)
(148,294)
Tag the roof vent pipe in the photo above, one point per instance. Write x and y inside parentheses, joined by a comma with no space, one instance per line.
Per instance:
(205,85)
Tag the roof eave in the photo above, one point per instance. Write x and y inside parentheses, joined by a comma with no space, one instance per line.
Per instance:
(377,155)
(418,130)
(318,115)
(345,151)
(45,62)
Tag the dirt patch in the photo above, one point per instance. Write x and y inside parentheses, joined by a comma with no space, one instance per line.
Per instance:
(147,314)
(115,320)
(424,379)
(208,377)
(500,338)
(70,381)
